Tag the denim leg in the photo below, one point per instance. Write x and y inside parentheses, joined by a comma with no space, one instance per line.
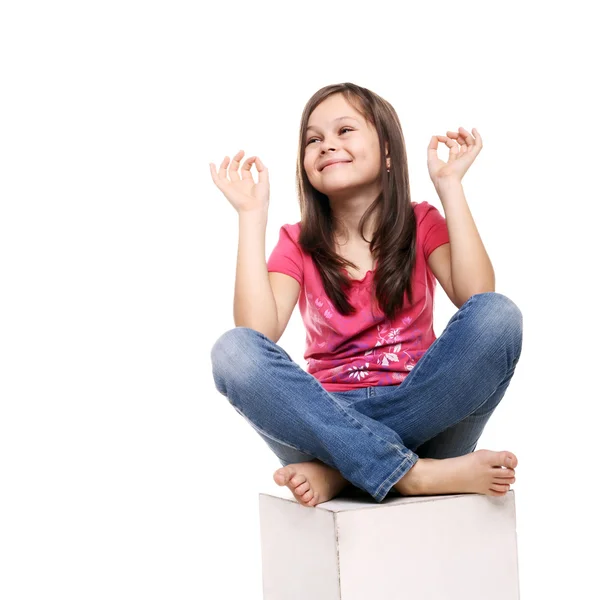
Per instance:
(286,404)
(462,438)
(441,407)
(288,455)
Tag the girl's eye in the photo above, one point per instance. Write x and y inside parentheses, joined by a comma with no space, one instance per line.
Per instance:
(342,129)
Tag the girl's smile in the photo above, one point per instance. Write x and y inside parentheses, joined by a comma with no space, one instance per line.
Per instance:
(345,162)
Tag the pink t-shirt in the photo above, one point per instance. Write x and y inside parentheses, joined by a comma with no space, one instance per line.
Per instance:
(364,349)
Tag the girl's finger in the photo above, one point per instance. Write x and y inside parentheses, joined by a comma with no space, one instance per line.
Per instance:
(235,163)
(469,139)
(263,172)
(246,174)
(458,136)
(215,176)
(454,148)
(223,168)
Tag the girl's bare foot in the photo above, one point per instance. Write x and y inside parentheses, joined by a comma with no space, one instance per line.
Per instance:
(311,482)
(481,472)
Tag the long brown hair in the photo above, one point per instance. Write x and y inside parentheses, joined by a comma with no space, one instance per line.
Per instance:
(394,237)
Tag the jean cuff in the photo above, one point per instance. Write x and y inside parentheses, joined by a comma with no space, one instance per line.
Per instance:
(407,463)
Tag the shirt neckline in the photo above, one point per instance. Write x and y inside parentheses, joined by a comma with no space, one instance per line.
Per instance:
(362,279)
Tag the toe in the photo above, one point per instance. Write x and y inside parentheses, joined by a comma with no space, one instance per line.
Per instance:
(503,473)
(510,460)
(302,488)
(282,476)
(503,480)
(308,496)
(297,480)
(502,459)
(500,487)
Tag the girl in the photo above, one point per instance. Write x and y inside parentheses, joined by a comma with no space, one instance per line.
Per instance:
(384,405)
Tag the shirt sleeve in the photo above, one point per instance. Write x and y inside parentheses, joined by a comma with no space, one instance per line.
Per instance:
(286,257)
(434,229)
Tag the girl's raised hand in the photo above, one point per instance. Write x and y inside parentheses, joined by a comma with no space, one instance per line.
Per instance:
(242,192)
(462,154)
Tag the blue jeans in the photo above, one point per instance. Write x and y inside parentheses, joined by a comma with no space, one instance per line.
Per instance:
(374,435)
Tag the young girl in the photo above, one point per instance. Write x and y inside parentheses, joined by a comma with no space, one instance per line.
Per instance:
(384,405)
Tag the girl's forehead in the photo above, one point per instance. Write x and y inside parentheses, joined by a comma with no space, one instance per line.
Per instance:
(333,107)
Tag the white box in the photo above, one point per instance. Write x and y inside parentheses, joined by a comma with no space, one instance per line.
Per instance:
(452,547)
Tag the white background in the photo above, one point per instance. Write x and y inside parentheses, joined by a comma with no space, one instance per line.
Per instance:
(123,472)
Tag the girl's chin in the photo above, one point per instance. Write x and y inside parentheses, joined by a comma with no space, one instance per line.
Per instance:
(337,186)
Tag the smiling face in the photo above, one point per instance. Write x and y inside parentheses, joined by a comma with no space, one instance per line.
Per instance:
(337,131)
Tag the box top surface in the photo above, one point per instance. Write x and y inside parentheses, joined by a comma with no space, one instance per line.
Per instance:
(360,501)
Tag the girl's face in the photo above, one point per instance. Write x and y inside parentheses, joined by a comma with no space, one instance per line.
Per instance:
(336,131)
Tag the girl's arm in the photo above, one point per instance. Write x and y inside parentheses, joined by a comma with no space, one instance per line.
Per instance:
(472,270)
(254,303)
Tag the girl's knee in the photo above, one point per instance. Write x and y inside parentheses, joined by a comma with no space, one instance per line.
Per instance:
(507,310)
(500,316)
(234,353)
